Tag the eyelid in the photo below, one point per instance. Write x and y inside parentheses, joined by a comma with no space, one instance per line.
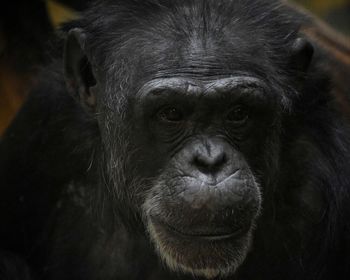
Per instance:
(163,110)
(246,111)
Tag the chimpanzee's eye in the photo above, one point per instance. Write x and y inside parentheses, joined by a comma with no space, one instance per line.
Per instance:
(170,114)
(238,115)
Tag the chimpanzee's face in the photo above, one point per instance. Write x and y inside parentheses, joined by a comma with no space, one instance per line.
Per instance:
(201,138)
(202,131)
(201,143)
(196,139)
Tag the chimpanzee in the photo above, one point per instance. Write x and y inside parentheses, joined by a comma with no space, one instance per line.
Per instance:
(179,139)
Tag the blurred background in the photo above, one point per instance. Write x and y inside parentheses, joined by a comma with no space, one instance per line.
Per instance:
(26,25)
(334,12)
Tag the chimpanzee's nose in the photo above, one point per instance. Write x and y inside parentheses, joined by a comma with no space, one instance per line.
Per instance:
(209,157)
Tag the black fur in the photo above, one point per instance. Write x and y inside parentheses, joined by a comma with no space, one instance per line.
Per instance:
(70,175)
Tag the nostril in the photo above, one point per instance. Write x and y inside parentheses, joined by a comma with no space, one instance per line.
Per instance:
(209,163)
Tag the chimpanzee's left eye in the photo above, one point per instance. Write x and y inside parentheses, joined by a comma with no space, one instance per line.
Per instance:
(238,115)
(170,114)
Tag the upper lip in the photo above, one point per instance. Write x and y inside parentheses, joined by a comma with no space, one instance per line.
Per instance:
(212,181)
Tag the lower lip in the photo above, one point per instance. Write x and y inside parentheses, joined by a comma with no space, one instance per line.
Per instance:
(206,236)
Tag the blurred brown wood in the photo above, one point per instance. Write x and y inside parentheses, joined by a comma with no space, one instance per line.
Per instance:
(13,89)
(24,29)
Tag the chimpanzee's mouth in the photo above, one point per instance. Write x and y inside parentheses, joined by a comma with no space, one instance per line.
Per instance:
(200,234)
(200,249)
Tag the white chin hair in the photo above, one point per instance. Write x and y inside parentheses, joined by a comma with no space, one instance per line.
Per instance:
(163,251)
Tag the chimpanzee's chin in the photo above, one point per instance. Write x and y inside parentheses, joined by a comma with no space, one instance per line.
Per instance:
(205,254)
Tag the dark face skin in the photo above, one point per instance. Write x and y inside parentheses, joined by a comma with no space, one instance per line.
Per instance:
(198,137)
(202,127)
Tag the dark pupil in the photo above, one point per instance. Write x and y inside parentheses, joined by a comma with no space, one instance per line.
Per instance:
(237,114)
(171,114)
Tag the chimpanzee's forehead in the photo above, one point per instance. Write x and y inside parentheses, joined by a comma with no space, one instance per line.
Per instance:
(198,55)
(199,41)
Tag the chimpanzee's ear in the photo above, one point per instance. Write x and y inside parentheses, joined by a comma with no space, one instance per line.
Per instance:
(301,56)
(79,75)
